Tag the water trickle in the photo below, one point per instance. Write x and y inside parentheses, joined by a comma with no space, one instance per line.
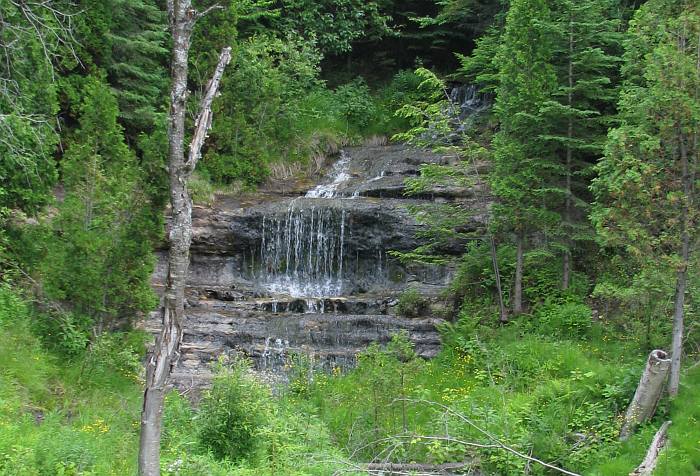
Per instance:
(274,353)
(302,251)
(339,174)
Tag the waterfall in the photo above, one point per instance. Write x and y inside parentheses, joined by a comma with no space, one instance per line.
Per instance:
(339,175)
(469,100)
(302,251)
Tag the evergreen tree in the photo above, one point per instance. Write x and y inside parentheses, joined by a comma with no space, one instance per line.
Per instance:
(33,37)
(585,42)
(646,190)
(136,65)
(100,257)
(524,166)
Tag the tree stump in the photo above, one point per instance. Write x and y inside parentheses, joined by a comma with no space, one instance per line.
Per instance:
(648,393)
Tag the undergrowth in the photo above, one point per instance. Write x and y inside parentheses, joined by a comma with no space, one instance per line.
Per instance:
(556,397)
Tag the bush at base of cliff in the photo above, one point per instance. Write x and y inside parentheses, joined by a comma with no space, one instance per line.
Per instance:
(412,303)
(233,413)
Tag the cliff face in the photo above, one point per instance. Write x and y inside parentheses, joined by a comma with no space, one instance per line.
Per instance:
(309,272)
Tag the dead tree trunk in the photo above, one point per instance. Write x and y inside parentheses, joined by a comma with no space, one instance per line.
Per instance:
(503,315)
(648,393)
(518,284)
(163,357)
(682,273)
(657,444)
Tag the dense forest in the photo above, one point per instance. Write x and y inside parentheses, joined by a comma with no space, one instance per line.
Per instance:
(569,321)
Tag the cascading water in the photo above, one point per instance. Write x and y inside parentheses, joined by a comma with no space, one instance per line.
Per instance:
(280,277)
(339,173)
(469,99)
(302,253)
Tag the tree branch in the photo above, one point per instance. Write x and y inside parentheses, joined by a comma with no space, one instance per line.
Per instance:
(652,456)
(490,436)
(209,10)
(203,122)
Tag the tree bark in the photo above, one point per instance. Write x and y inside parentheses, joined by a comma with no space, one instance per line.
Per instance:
(681,275)
(518,284)
(503,315)
(566,271)
(163,357)
(403,468)
(648,392)
(657,444)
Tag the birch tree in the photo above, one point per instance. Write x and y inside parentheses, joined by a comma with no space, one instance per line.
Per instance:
(182,17)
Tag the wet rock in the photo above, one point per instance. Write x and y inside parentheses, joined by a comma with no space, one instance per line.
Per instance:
(275,276)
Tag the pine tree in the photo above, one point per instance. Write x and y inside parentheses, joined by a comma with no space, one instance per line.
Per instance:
(136,65)
(523,160)
(646,190)
(100,257)
(585,42)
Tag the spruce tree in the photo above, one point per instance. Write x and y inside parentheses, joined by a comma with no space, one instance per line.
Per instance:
(585,42)
(136,65)
(646,190)
(523,161)
(100,257)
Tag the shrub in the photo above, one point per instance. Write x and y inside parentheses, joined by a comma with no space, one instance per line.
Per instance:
(568,319)
(233,413)
(356,103)
(412,304)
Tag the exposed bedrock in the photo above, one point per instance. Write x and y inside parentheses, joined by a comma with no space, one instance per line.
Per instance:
(274,276)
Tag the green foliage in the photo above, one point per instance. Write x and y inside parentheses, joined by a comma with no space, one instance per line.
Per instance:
(135,65)
(428,114)
(568,319)
(65,333)
(558,399)
(99,258)
(522,159)
(370,403)
(336,24)
(28,102)
(639,188)
(356,104)
(412,304)
(56,417)
(481,67)
(233,413)
(261,109)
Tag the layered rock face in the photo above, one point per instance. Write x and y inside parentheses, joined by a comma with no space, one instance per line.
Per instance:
(310,273)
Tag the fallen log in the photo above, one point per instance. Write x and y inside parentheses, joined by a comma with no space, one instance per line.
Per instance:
(403,468)
(648,394)
(652,456)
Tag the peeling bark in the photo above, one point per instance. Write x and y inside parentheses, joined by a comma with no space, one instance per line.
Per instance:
(518,285)
(163,357)
(682,273)
(657,444)
(648,394)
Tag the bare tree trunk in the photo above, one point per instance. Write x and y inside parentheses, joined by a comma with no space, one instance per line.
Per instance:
(648,393)
(566,271)
(682,274)
(503,315)
(518,284)
(657,444)
(164,354)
